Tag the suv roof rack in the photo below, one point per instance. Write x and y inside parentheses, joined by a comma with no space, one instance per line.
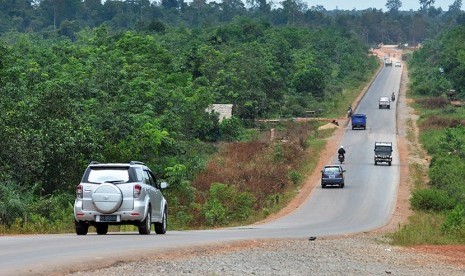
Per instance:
(136,163)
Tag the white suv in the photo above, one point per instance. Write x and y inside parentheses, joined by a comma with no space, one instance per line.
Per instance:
(116,194)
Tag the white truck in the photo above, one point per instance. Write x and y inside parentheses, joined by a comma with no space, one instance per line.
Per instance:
(385,102)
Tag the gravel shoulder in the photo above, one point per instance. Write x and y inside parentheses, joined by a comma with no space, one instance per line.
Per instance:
(360,254)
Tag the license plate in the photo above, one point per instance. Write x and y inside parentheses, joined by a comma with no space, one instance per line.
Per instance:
(107,218)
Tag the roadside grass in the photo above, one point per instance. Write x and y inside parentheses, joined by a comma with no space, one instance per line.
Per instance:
(423,228)
(428,226)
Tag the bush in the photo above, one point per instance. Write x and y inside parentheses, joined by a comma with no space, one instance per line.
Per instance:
(13,203)
(231,129)
(434,102)
(432,200)
(215,213)
(294,176)
(455,220)
(225,204)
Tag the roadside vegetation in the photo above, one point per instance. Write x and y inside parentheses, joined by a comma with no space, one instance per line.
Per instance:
(438,89)
(131,80)
(142,96)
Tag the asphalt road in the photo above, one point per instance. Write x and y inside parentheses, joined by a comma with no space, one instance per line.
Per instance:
(366,202)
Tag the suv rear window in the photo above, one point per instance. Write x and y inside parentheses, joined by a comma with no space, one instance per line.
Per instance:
(332,170)
(100,175)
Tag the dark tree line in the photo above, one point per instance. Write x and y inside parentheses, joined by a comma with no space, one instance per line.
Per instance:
(67,17)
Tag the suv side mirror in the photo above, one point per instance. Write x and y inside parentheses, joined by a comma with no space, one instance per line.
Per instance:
(163,185)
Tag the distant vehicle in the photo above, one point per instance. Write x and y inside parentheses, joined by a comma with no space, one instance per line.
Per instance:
(388,62)
(120,194)
(332,175)
(398,64)
(384,102)
(359,121)
(383,153)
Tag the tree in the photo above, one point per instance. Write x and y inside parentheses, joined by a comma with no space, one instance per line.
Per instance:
(170,4)
(393,5)
(292,9)
(456,8)
(426,4)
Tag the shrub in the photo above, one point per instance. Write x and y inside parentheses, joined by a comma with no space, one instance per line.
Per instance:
(433,102)
(455,220)
(225,204)
(215,213)
(231,129)
(13,203)
(294,176)
(438,122)
(432,200)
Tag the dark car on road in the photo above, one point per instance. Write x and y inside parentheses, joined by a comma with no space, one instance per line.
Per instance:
(383,152)
(332,175)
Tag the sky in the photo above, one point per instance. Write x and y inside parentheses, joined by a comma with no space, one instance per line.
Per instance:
(378,4)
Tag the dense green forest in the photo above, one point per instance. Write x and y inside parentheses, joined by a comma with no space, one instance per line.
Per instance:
(68,17)
(142,96)
(437,85)
(131,80)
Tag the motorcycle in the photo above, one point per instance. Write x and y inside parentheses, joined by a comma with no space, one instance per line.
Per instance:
(341,158)
(393,97)
(349,113)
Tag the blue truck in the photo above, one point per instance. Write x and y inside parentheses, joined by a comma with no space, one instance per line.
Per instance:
(359,121)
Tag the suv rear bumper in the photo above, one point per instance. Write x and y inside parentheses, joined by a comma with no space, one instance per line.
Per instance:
(332,181)
(383,159)
(137,214)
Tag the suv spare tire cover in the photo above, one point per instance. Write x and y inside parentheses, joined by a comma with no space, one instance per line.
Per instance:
(107,198)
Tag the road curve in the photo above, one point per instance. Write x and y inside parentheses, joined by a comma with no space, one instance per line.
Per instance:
(365,203)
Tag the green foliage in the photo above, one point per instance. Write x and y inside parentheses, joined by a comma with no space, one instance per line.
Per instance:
(13,203)
(97,94)
(455,220)
(231,129)
(431,200)
(225,204)
(440,64)
(295,177)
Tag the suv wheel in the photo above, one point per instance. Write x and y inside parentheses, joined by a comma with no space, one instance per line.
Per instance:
(144,226)
(102,228)
(160,227)
(81,227)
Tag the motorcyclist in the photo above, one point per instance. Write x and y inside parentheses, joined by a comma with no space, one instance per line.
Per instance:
(341,151)
(349,111)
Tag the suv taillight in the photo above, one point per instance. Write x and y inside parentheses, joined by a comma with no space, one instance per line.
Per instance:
(137,189)
(79,191)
